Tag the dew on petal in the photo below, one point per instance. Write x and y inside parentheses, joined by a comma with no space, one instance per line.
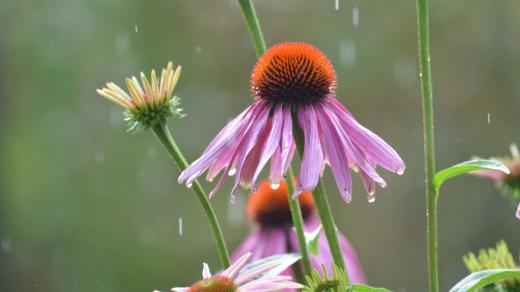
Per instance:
(371,197)
(232,171)
(189,185)
(275,185)
(400,171)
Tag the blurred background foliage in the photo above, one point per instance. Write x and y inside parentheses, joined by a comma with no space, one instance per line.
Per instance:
(85,206)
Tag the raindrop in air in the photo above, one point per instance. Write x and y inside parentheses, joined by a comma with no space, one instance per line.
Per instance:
(336,5)
(135,28)
(180,226)
(355,16)
(489,118)
(6,245)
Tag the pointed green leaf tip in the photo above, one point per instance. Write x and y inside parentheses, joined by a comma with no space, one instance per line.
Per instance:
(311,238)
(465,167)
(363,288)
(483,278)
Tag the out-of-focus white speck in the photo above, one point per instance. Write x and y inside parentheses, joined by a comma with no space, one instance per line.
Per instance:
(347,53)
(180,226)
(151,152)
(336,5)
(6,245)
(198,49)
(122,43)
(236,210)
(489,118)
(135,28)
(355,16)
(99,156)
(405,72)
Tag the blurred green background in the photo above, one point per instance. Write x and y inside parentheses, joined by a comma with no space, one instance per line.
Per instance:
(85,206)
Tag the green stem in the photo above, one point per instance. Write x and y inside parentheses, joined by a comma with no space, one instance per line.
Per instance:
(323,207)
(163,134)
(429,143)
(255,31)
(253,26)
(297,218)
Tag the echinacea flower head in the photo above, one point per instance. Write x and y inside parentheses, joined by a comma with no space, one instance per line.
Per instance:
(260,276)
(294,82)
(268,209)
(494,258)
(148,102)
(507,183)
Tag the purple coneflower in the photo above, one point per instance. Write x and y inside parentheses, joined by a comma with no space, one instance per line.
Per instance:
(240,278)
(508,183)
(269,209)
(295,79)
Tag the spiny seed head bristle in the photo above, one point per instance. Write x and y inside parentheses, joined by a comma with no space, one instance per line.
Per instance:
(293,73)
(270,208)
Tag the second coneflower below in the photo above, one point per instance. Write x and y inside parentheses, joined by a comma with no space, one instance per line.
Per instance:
(295,81)
(269,210)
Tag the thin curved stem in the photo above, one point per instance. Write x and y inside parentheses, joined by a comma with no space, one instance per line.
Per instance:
(253,26)
(297,218)
(429,142)
(163,134)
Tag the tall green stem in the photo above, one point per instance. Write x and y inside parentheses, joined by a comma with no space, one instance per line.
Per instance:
(163,134)
(255,31)
(297,218)
(429,143)
(253,26)
(322,205)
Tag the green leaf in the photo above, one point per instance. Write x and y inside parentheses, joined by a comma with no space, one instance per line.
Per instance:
(363,288)
(311,239)
(464,167)
(483,278)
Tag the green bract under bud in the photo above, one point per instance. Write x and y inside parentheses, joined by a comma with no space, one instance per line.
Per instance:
(318,283)
(149,104)
(494,258)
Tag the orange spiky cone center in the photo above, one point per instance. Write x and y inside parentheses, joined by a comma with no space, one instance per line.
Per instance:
(214,284)
(293,73)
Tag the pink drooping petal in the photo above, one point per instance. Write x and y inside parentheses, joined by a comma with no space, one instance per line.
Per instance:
(355,154)
(233,270)
(495,175)
(248,142)
(518,211)
(375,147)
(224,140)
(275,174)
(355,270)
(265,269)
(263,242)
(312,160)
(273,283)
(181,289)
(287,145)
(253,158)
(272,142)
(335,151)
(324,257)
